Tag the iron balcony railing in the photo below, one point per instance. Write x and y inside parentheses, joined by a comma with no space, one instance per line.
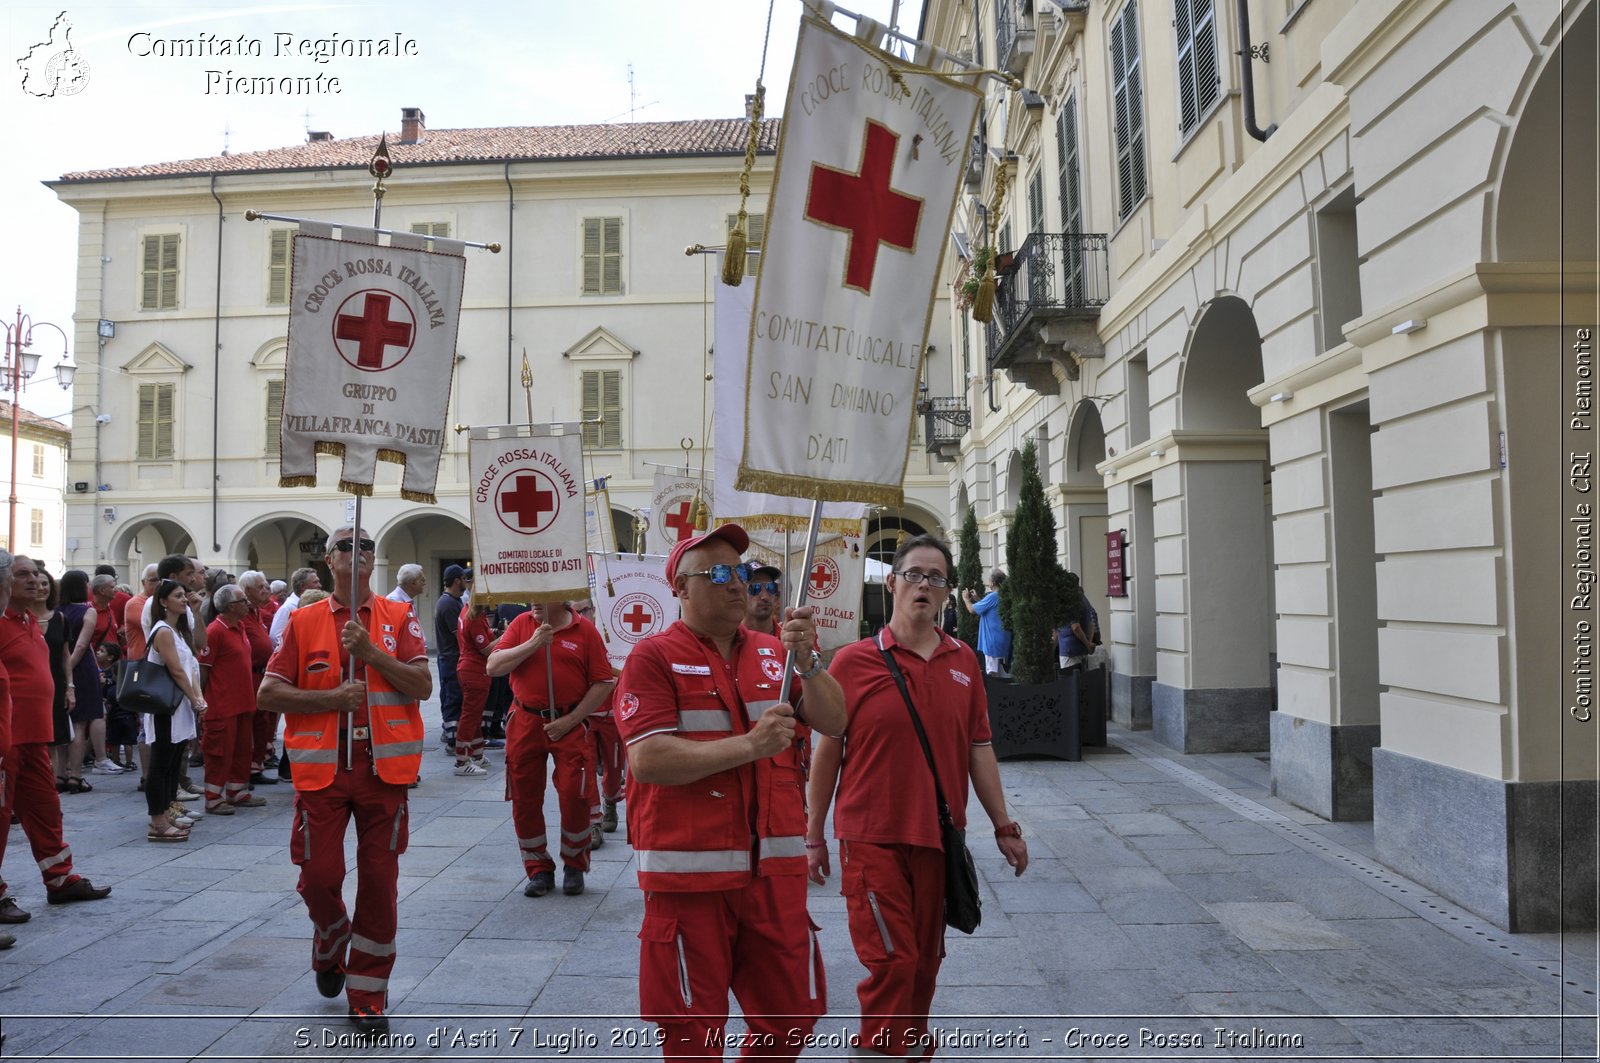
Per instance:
(945,419)
(1013,36)
(1051,275)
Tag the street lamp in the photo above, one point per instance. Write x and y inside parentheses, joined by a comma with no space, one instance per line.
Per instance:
(20,365)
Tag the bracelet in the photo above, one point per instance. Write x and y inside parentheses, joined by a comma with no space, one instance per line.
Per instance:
(1008,830)
(816,845)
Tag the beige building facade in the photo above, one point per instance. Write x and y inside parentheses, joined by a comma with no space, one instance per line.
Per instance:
(592,282)
(1310,329)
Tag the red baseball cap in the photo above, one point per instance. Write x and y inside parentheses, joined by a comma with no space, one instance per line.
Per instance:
(731,534)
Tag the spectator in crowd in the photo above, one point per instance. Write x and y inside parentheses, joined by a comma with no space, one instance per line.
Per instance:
(994,641)
(1076,640)
(280,591)
(410,582)
(104,595)
(475,641)
(446,621)
(46,609)
(226,680)
(29,792)
(83,675)
(119,596)
(122,726)
(263,725)
(891,858)
(133,615)
(171,645)
(301,580)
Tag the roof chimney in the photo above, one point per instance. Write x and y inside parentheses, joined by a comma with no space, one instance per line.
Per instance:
(749,104)
(411,125)
(318,136)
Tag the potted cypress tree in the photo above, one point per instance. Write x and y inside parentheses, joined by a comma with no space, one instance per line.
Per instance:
(1039,712)
(969,576)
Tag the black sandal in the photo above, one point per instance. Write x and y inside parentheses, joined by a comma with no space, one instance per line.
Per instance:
(61,784)
(76,785)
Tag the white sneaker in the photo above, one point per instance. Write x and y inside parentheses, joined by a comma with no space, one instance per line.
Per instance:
(107,767)
(471,767)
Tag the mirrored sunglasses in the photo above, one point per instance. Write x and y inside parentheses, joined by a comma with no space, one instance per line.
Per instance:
(770,587)
(344,546)
(722,574)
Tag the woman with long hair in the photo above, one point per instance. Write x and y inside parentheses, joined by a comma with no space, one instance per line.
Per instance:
(172,645)
(83,675)
(69,776)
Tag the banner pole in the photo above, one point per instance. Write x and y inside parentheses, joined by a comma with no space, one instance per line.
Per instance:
(800,593)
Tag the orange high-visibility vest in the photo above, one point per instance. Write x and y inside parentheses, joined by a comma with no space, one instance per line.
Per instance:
(312,739)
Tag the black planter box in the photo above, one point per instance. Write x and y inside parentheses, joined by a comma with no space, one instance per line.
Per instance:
(1040,721)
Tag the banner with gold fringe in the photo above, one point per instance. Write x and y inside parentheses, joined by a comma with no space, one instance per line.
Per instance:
(632,600)
(869,166)
(528,513)
(372,343)
(679,502)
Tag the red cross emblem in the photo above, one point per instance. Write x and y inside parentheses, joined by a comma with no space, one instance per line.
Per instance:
(635,616)
(824,578)
(527,501)
(863,204)
(677,521)
(372,329)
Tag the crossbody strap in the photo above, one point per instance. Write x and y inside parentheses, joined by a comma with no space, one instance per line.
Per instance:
(916,722)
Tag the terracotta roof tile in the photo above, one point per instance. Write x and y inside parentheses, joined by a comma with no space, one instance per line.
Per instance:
(27,419)
(717,136)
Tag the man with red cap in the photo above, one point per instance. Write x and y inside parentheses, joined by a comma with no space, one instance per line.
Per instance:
(716,813)
(559,675)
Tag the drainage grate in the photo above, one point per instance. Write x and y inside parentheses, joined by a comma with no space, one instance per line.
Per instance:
(1530,958)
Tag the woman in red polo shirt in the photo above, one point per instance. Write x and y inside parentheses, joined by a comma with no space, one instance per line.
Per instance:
(891,861)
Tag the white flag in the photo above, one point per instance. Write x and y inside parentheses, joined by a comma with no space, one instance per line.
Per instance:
(672,506)
(632,600)
(867,175)
(372,342)
(527,514)
(833,589)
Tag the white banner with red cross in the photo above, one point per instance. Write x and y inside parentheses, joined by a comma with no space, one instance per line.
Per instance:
(372,344)
(528,514)
(672,507)
(869,166)
(833,588)
(632,601)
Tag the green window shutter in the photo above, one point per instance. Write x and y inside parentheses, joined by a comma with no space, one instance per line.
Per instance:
(611,274)
(169,271)
(147,421)
(1036,202)
(1067,161)
(278,267)
(164,424)
(590,404)
(1129,122)
(274,417)
(150,274)
(611,409)
(433,230)
(591,255)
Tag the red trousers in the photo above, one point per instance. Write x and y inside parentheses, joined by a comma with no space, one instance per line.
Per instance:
(362,945)
(263,729)
(894,895)
(227,745)
(611,758)
(30,792)
(527,748)
(469,729)
(757,942)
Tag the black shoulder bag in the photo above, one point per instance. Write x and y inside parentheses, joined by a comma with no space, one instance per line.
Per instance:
(147,687)
(962,908)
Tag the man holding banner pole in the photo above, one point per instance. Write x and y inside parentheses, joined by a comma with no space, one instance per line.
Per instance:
(716,813)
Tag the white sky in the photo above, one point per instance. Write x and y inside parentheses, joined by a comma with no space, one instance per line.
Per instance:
(479,63)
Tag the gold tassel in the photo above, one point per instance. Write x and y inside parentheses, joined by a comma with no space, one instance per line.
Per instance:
(983,302)
(700,515)
(738,246)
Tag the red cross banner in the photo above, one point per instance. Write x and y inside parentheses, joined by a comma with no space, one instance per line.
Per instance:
(833,588)
(672,507)
(869,167)
(528,514)
(632,601)
(372,343)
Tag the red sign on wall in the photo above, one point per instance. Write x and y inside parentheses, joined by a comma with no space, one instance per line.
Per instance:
(1116,575)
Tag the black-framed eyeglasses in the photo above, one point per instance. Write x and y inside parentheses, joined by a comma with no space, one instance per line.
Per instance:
(913,577)
(722,574)
(344,546)
(769,587)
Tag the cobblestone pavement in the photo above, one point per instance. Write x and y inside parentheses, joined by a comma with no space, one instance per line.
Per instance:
(1173,909)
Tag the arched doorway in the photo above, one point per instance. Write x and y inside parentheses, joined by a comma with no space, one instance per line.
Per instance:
(278,543)
(1213,577)
(148,538)
(430,537)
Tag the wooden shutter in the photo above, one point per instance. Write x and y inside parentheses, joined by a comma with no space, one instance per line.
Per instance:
(591,259)
(164,393)
(590,404)
(611,273)
(756,224)
(169,271)
(1198,80)
(1036,202)
(602,399)
(274,417)
(278,267)
(150,275)
(1067,162)
(1129,103)
(147,421)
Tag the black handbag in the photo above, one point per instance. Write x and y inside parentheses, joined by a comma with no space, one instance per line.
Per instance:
(147,687)
(963,909)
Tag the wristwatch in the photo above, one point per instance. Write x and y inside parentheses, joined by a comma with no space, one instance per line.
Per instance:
(816,666)
(1009,830)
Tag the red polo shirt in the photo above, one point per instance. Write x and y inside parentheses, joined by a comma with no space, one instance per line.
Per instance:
(409,647)
(255,629)
(880,742)
(580,660)
(26,657)
(230,688)
(473,636)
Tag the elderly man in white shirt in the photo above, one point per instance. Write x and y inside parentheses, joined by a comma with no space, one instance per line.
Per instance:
(410,582)
(303,579)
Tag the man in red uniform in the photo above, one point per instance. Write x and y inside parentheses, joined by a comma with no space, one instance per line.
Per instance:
(607,755)
(230,705)
(356,746)
(257,627)
(891,855)
(716,812)
(766,597)
(475,639)
(551,651)
(30,783)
